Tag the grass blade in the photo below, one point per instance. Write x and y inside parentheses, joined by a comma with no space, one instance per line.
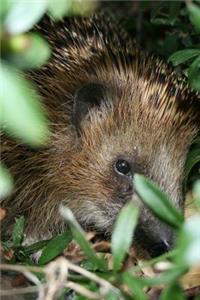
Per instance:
(157,201)
(123,233)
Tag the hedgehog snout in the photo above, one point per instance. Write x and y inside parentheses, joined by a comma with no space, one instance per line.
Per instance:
(154,236)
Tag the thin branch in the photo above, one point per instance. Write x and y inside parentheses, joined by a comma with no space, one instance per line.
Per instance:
(82,290)
(19,291)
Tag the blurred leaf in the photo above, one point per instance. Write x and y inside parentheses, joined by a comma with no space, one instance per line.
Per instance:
(23,15)
(163,21)
(6,182)
(194,12)
(182,56)
(28,51)
(126,223)
(194,74)
(164,13)
(135,286)
(111,296)
(18,232)
(196,192)
(174,9)
(157,201)
(172,292)
(188,243)
(80,237)
(83,7)
(4,7)
(55,247)
(192,159)
(157,7)
(167,277)
(197,140)
(21,112)
(59,9)
(169,45)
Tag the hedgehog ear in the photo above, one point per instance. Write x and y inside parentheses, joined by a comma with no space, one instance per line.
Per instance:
(87,97)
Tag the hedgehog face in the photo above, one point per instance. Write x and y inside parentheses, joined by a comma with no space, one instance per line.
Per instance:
(119,138)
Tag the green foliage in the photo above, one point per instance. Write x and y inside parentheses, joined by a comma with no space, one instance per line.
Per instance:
(192,170)
(183,56)
(18,20)
(185,254)
(189,242)
(57,11)
(6,182)
(18,232)
(196,192)
(135,286)
(22,114)
(176,28)
(79,236)
(157,201)
(173,290)
(126,222)
(25,49)
(55,247)
(19,120)
(167,277)
(194,13)
(194,74)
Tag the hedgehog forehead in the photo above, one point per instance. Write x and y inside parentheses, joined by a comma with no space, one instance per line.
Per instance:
(137,124)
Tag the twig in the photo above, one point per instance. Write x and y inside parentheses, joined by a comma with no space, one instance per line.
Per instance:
(82,290)
(19,291)
(19,268)
(57,278)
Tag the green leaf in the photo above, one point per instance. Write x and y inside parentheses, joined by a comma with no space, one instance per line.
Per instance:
(194,12)
(28,51)
(6,182)
(194,74)
(18,232)
(188,243)
(83,7)
(33,248)
(59,9)
(172,292)
(174,9)
(196,192)
(163,21)
(80,237)
(157,201)
(135,286)
(21,112)
(182,56)
(55,247)
(126,223)
(112,296)
(197,140)
(23,15)
(166,277)
(4,7)
(192,159)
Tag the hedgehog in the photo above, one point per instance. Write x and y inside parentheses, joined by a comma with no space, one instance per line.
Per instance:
(114,111)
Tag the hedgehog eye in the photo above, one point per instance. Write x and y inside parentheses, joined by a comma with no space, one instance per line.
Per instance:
(122,167)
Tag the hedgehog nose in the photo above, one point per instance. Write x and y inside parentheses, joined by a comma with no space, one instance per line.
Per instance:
(160,248)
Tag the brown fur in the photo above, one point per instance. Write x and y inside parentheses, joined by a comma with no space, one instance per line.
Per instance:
(149,115)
